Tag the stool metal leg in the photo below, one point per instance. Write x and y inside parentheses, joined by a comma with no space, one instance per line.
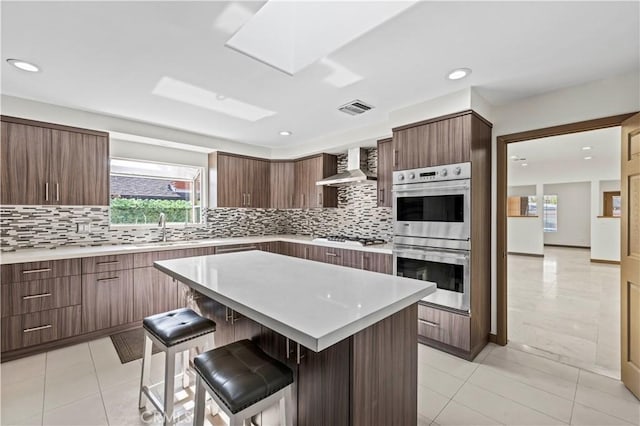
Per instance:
(169,390)
(185,368)
(201,394)
(286,407)
(146,371)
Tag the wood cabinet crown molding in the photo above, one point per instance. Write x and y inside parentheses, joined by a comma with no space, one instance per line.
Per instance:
(442,118)
(35,123)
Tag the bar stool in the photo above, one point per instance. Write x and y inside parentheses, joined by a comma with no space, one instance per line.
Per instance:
(243,381)
(173,332)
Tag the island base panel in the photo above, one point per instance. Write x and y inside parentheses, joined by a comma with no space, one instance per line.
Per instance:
(370,378)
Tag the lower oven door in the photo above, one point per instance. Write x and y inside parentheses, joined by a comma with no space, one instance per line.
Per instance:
(449,269)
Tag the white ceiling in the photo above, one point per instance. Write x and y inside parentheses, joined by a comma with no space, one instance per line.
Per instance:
(562,159)
(108,57)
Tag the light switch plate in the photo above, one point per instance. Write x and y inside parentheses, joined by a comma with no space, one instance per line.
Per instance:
(83,227)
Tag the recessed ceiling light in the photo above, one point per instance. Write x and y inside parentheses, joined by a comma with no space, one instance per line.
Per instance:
(587,158)
(514,157)
(524,164)
(285,133)
(221,97)
(23,65)
(586,148)
(459,73)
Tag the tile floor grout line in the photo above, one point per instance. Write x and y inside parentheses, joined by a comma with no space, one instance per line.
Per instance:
(461,386)
(575,392)
(95,371)
(498,371)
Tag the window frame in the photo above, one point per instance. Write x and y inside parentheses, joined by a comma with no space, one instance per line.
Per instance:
(202,200)
(607,203)
(544,213)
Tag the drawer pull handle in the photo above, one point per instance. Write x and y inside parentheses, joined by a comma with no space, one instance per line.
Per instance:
(236,249)
(36,296)
(42,327)
(332,254)
(429,323)
(109,262)
(35,271)
(107,279)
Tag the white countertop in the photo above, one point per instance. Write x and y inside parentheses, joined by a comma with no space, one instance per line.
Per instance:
(71,252)
(314,304)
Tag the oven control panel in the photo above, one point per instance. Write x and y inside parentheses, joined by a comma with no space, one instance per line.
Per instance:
(433,174)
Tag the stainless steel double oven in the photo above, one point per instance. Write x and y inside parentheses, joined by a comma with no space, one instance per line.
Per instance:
(432,230)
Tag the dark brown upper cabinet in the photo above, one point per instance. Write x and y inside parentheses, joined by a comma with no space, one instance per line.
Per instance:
(282,184)
(238,181)
(437,141)
(385,171)
(48,164)
(307,172)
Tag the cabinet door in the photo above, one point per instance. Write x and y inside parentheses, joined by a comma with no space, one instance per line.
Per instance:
(25,165)
(107,300)
(314,192)
(301,174)
(95,170)
(153,292)
(385,172)
(231,182)
(318,254)
(67,177)
(292,249)
(377,262)
(282,184)
(257,186)
(343,257)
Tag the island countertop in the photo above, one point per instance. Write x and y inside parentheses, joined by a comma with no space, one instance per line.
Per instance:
(315,304)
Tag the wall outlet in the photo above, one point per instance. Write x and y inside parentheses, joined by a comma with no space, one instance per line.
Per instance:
(83,227)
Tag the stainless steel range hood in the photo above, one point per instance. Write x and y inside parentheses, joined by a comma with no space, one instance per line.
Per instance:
(357,172)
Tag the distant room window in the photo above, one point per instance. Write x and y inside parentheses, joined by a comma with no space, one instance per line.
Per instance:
(141,190)
(611,204)
(550,213)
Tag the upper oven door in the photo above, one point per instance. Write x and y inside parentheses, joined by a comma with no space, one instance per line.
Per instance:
(433,209)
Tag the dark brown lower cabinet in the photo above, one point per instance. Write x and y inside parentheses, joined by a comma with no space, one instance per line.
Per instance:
(377,262)
(40,295)
(369,378)
(107,300)
(21,331)
(438,327)
(153,292)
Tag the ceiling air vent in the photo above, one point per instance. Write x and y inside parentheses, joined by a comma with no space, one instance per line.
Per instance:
(355,107)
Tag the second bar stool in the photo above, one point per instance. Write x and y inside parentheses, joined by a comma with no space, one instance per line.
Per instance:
(243,381)
(173,332)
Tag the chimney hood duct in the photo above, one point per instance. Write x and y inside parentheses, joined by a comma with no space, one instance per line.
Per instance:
(357,172)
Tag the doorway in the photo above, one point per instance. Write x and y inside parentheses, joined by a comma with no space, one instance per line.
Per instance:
(543,203)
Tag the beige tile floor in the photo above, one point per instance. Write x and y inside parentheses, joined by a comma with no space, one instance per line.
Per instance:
(86,385)
(566,308)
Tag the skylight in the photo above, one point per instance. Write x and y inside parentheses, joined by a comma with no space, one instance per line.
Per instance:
(187,93)
(290,36)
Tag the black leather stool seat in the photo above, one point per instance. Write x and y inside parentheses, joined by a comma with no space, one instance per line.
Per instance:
(241,374)
(178,326)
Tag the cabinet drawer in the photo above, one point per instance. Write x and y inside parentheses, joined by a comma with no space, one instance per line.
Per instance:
(107,299)
(39,327)
(92,265)
(30,271)
(234,248)
(443,326)
(41,295)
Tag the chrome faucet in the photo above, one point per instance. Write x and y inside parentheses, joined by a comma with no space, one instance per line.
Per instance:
(163,224)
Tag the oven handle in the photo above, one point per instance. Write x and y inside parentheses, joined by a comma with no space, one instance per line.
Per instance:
(431,255)
(434,188)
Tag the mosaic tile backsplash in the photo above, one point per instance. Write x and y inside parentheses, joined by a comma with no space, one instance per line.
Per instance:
(52,226)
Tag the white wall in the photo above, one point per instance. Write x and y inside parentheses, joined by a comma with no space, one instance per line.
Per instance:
(161,154)
(574,214)
(525,234)
(605,231)
(602,98)
(19,107)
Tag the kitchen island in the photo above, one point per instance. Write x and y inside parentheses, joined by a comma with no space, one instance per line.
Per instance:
(349,335)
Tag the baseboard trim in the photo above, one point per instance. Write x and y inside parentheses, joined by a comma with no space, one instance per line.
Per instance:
(567,246)
(525,254)
(609,262)
(493,338)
